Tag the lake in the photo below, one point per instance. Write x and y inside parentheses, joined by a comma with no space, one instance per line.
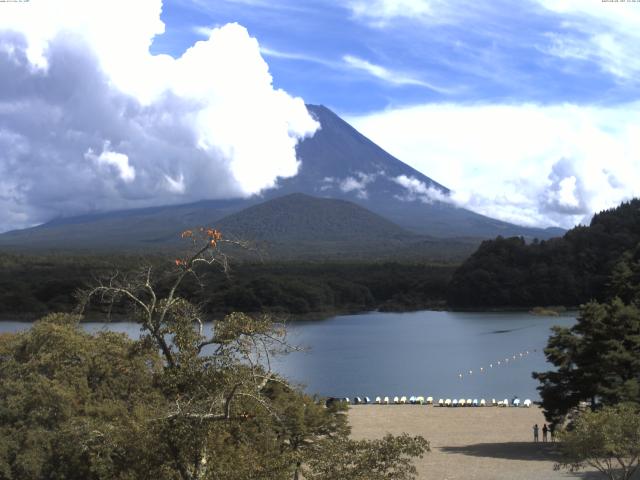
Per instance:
(417,353)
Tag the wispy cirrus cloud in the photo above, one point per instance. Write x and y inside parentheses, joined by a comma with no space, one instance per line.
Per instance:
(605,33)
(594,31)
(303,57)
(381,11)
(351,63)
(388,76)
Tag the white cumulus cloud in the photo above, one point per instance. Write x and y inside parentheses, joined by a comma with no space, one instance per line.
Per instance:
(527,164)
(119,161)
(91,120)
(356,183)
(417,190)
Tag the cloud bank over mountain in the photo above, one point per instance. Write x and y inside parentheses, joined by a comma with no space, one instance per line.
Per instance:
(91,120)
(537,165)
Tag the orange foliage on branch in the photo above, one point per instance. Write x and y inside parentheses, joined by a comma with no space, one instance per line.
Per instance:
(203,239)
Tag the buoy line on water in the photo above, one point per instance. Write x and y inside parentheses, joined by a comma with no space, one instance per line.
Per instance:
(498,363)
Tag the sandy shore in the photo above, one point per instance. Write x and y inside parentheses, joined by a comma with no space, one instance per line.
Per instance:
(467,443)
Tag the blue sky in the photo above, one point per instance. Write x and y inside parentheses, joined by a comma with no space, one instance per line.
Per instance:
(527,111)
(498,52)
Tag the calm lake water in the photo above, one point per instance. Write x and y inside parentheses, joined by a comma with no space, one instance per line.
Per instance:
(417,353)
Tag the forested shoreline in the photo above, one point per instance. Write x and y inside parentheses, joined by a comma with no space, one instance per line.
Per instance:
(505,273)
(33,285)
(569,270)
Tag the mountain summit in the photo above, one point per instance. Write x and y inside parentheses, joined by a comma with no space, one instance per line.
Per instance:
(336,163)
(340,162)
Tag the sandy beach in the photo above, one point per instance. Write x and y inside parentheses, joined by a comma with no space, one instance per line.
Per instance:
(468,443)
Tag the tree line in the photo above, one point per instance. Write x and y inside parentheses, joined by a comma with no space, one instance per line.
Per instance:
(571,270)
(33,285)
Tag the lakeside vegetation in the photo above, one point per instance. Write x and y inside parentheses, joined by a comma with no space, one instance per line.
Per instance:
(503,273)
(33,285)
(570,270)
(175,404)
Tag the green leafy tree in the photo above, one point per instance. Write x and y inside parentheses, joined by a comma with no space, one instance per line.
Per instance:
(608,440)
(74,405)
(183,402)
(390,458)
(597,360)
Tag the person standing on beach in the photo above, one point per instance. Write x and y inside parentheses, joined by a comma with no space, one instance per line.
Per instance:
(544,432)
(552,433)
(535,432)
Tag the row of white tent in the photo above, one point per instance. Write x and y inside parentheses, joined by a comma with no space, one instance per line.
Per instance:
(442,402)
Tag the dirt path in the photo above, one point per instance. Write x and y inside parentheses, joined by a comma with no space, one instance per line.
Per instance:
(468,443)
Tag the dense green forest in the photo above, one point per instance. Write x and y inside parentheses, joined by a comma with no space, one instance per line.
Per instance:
(502,273)
(570,270)
(31,285)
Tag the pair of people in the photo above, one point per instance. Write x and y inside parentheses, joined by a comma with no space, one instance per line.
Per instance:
(545,430)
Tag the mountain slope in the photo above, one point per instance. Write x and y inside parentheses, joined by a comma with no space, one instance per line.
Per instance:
(146,227)
(298,226)
(340,162)
(302,218)
(337,162)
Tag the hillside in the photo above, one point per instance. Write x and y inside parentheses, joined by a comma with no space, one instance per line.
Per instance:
(571,270)
(340,162)
(302,218)
(154,228)
(299,226)
(337,162)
